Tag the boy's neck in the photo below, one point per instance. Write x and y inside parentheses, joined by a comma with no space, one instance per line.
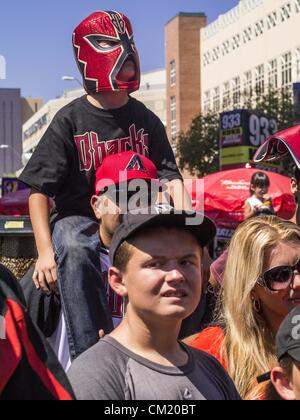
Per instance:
(105,237)
(108,100)
(156,341)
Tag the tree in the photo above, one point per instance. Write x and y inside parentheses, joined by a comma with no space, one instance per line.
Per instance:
(198,148)
(277,103)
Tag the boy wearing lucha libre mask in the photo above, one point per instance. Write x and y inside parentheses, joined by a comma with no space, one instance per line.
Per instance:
(104,122)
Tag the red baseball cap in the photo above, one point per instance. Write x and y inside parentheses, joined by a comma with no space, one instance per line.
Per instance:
(280,145)
(124,167)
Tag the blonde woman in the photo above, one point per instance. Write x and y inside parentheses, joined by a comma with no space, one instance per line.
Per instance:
(261,286)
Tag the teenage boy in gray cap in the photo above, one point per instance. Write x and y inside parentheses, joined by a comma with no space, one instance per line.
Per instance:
(286,377)
(157,268)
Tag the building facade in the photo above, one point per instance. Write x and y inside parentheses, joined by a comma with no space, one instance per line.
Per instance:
(10,131)
(153,93)
(183,52)
(30,106)
(36,126)
(254,46)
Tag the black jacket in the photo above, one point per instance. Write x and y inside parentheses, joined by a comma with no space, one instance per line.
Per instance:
(29,369)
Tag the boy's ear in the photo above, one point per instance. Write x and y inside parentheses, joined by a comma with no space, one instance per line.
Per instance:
(116,282)
(294,186)
(96,206)
(282,384)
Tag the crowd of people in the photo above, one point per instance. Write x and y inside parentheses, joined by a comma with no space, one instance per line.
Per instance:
(124,287)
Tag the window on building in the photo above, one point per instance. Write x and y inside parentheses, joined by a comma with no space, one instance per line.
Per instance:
(286,12)
(272,20)
(297,6)
(260,80)
(206,104)
(259,28)
(225,48)
(236,42)
(173,73)
(247,35)
(173,119)
(207,58)
(286,69)
(216,100)
(273,74)
(247,87)
(216,54)
(298,64)
(226,96)
(236,92)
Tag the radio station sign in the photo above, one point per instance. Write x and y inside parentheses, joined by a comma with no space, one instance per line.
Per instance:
(241,133)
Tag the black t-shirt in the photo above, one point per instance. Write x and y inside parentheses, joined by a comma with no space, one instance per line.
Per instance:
(78,140)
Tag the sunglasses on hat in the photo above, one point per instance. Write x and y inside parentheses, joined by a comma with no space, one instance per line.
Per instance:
(122,196)
(279,278)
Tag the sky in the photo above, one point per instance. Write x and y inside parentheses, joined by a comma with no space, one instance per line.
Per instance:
(35,37)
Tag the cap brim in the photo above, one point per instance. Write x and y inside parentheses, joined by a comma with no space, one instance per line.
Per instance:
(204,231)
(274,149)
(294,353)
(264,378)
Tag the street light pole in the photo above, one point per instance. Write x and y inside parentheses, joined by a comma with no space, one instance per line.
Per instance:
(71,79)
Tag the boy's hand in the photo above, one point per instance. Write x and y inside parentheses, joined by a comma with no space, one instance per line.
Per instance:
(45,273)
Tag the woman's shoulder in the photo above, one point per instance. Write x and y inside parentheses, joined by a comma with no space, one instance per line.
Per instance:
(208,337)
(210,341)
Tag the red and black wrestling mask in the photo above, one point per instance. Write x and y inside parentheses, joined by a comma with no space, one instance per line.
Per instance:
(104,47)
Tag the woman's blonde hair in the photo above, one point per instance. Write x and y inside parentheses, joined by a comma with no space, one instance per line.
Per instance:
(249,346)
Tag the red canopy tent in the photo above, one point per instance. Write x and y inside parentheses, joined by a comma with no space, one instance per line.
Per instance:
(222,196)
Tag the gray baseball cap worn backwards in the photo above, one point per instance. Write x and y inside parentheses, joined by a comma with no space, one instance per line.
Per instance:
(163,215)
(288,337)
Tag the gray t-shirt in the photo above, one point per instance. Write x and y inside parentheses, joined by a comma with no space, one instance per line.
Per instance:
(109,371)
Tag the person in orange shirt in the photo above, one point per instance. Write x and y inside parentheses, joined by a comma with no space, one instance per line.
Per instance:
(261,286)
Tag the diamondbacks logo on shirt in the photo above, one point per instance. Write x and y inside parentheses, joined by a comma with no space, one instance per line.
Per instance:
(92,151)
(135,164)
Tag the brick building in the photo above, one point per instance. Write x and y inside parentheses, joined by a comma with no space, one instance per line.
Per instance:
(183,54)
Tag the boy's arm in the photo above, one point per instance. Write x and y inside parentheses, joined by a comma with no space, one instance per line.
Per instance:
(180,196)
(161,154)
(45,274)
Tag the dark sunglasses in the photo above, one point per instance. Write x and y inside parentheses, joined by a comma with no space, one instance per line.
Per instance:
(279,278)
(123,196)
